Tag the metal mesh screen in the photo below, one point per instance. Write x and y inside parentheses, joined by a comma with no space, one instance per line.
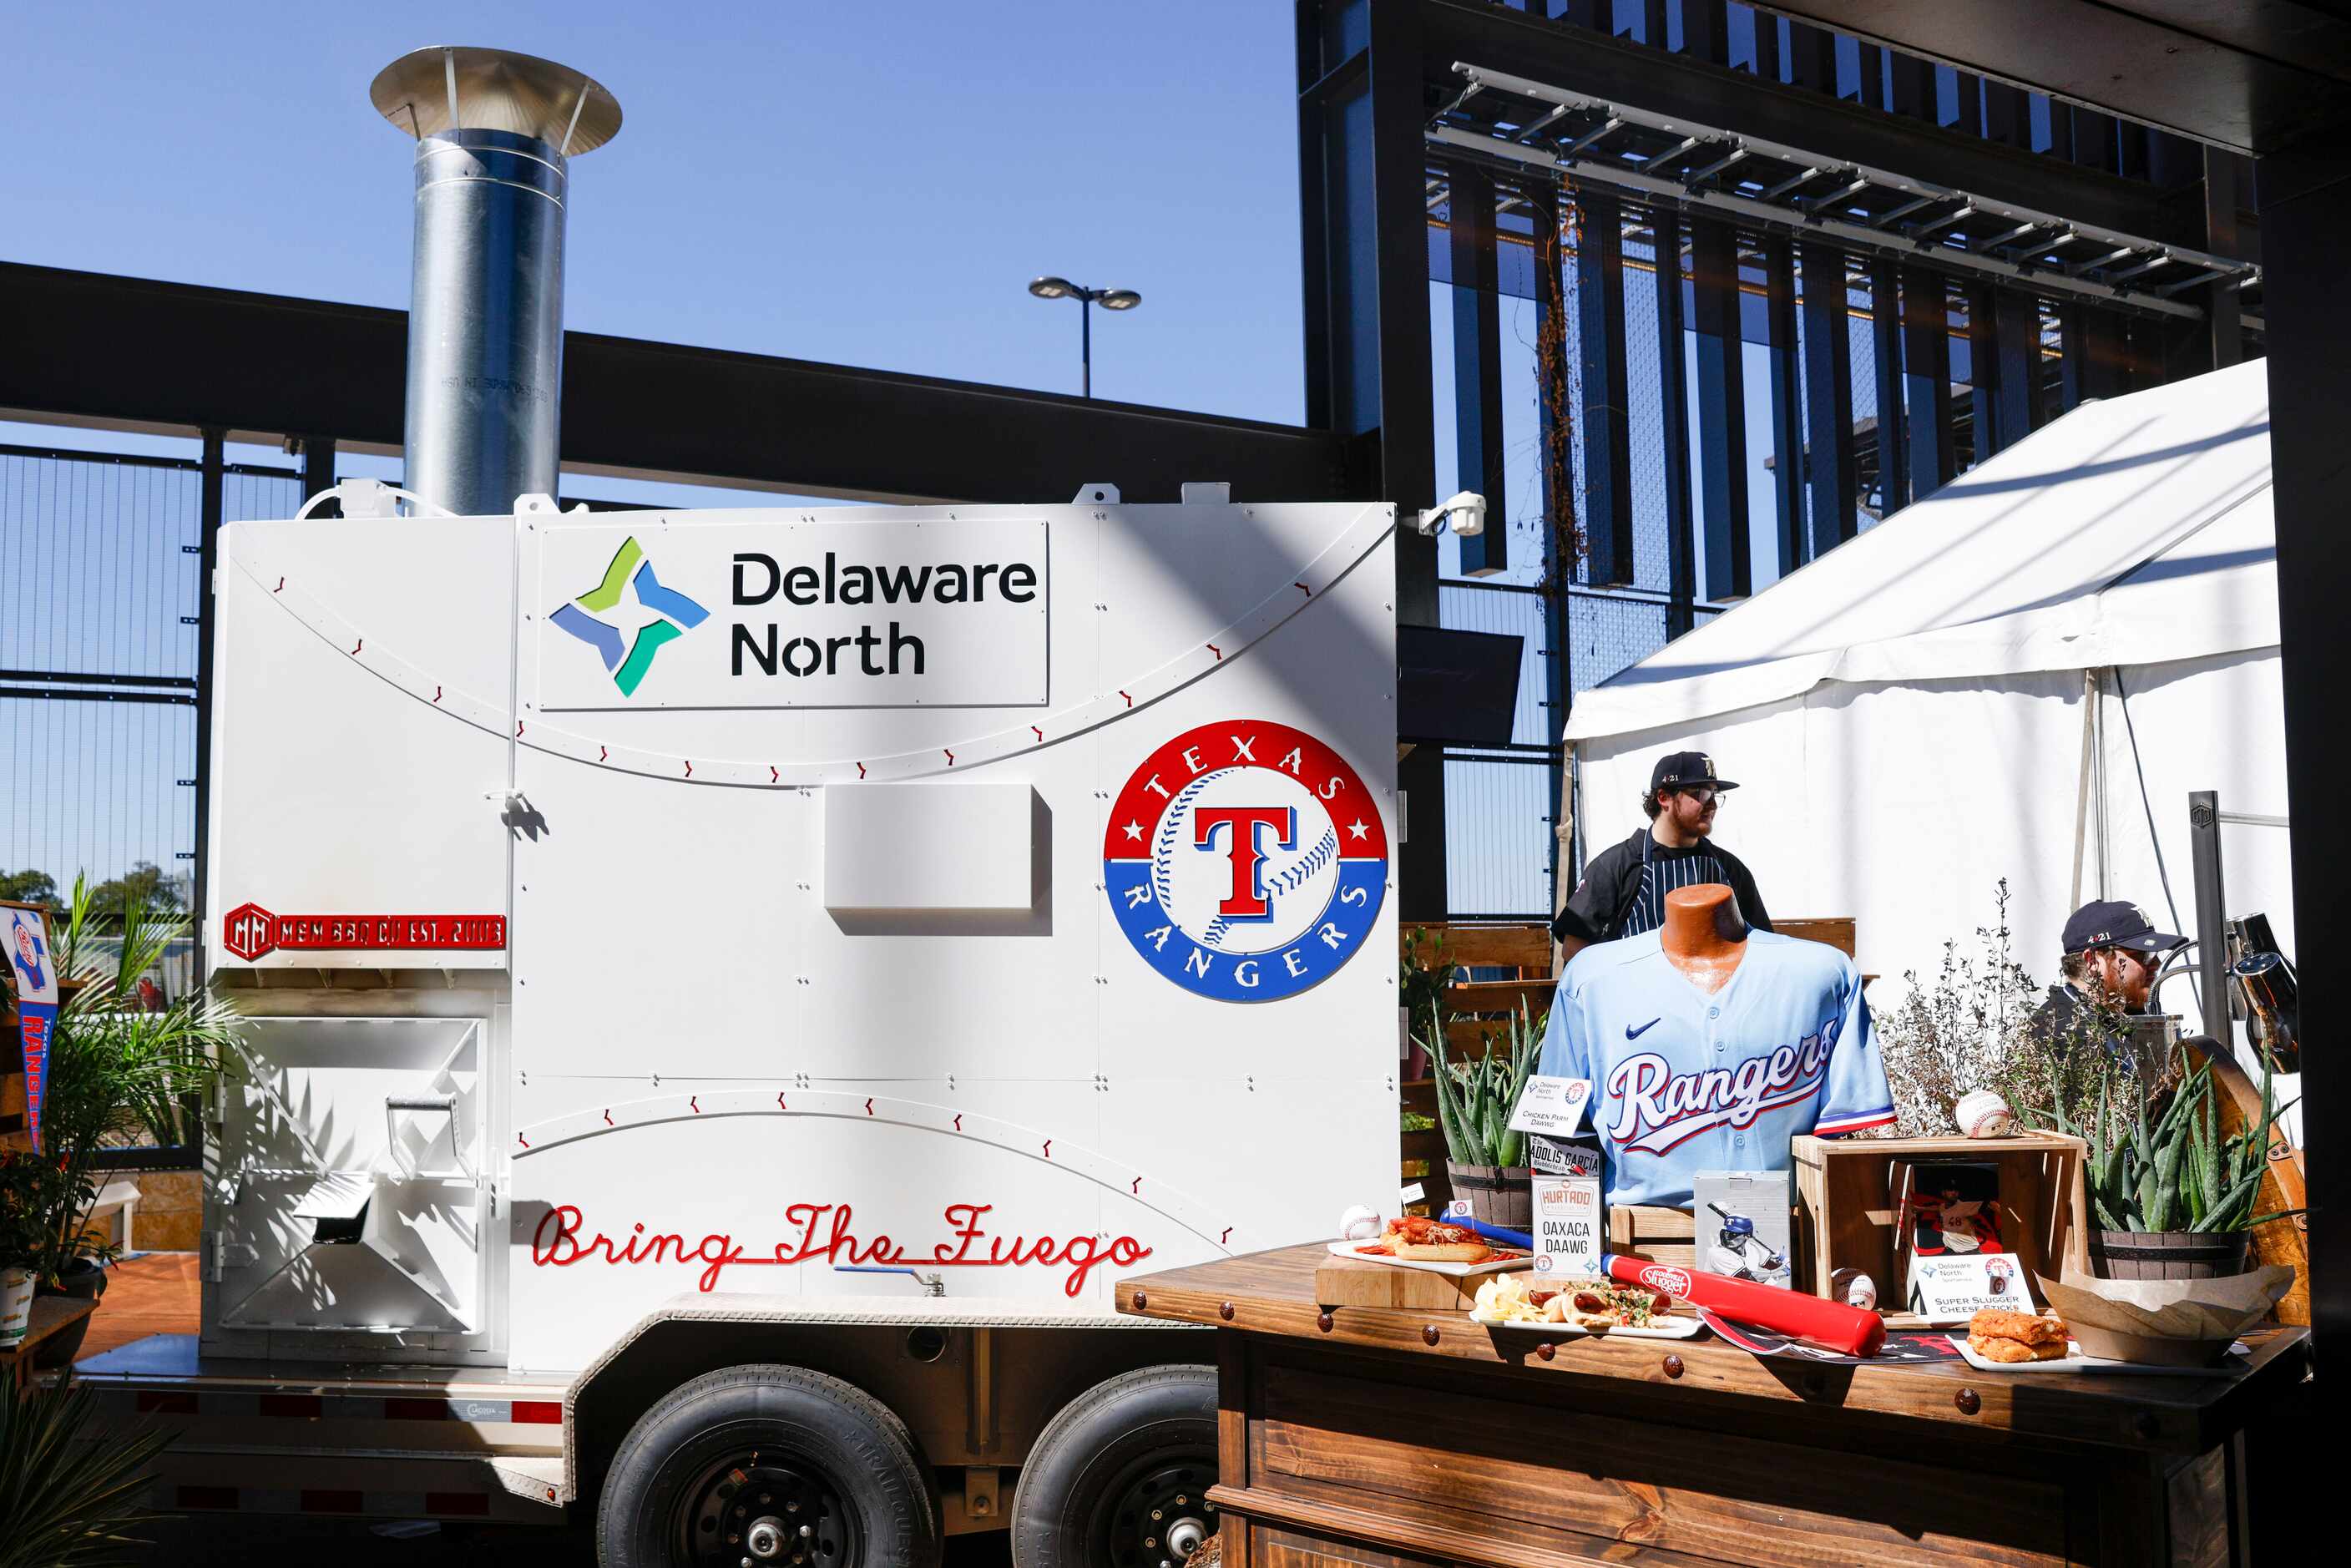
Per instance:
(99,587)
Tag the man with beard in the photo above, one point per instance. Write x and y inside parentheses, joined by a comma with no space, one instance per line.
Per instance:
(1625,885)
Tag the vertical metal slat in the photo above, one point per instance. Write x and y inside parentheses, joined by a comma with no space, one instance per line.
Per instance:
(1478,365)
(1607,433)
(1830,467)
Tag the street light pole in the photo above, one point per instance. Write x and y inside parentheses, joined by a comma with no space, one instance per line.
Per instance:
(1087,298)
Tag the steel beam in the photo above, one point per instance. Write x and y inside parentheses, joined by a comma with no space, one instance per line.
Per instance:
(1673,402)
(1927,382)
(1607,403)
(1679,86)
(1478,363)
(259,367)
(1787,403)
(2253,78)
(2097,355)
(1722,408)
(1830,467)
(2306,225)
(1886,343)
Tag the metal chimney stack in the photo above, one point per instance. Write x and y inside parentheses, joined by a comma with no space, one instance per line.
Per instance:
(495,132)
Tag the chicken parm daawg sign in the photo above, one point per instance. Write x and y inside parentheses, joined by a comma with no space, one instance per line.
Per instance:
(648,614)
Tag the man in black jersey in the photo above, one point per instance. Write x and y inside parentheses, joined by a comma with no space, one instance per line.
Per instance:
(1625,885)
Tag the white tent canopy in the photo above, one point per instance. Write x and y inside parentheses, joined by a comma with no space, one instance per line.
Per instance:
(2041,659)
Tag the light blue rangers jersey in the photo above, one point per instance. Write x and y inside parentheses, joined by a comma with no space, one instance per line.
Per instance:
(1684,1081)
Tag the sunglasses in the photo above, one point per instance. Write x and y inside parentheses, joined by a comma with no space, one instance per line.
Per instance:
(1704,794)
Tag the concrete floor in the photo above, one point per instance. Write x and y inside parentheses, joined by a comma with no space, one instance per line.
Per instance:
(156,1293)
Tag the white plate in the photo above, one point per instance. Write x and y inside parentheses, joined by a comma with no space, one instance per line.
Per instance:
(1458,1270)
(1673,1327)
(2074,1361)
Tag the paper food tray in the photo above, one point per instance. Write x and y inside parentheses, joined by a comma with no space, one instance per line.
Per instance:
(1458,1270)
(2077,1361)
(1671,1328)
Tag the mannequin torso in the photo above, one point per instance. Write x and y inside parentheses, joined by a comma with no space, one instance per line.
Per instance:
(1703,935)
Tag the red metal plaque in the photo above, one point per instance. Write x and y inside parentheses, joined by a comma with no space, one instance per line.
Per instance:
(250,931)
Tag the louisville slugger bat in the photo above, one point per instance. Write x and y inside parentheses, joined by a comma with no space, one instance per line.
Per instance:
(1848,1331)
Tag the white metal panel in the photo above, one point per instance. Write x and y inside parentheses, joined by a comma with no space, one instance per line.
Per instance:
(933,847)
(336,791)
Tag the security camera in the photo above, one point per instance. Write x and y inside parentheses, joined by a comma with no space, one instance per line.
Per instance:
(1466,511)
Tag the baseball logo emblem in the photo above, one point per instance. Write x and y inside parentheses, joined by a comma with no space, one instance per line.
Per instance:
(1244,861)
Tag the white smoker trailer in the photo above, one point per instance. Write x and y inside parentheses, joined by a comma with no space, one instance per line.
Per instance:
(789,961)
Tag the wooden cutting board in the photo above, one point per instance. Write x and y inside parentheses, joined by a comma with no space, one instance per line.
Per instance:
(1342,1282)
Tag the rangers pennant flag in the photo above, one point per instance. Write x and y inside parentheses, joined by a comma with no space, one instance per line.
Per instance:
(35,970)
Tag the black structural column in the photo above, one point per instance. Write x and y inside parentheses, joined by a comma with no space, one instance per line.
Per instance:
(1886,341)
(1927,370)
(1673,401)
(318,465)
(1722,407)
(1365,244)
(1830,468)
(211,508)
(1555,439)
(1607,425)
(2305,206)
(1787,399)
(2015,412)
(1478,364)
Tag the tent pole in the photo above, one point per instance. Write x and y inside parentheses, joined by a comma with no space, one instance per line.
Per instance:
(2082,790)
(2098,794)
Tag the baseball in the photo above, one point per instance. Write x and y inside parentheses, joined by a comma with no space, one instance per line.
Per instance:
(1359,1224)
(1298,871)
(1984,1115)
(1856,1289)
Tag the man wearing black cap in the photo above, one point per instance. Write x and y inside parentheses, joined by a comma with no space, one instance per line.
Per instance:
(2111,954)
(1625,885)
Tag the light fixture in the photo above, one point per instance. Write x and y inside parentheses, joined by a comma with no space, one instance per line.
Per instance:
(1050,287)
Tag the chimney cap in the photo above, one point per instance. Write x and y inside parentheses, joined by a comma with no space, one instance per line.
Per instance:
(495,89)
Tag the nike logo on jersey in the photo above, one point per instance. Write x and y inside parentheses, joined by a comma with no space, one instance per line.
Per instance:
(1657,1108)
(1632,1033)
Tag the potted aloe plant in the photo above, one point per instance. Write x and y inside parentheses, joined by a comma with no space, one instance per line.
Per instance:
(2171,1196)
(1475,1099)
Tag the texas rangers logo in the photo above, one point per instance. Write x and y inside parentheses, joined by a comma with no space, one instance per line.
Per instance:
(1244,861)
(1657,1108)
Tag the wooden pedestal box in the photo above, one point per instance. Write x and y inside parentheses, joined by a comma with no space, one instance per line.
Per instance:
(1845,1204)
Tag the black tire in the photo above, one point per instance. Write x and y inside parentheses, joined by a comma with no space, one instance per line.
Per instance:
(667,1496)
(1148,1434)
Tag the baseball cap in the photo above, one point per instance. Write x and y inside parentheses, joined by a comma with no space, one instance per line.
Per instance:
(1681,769)
(2111,923)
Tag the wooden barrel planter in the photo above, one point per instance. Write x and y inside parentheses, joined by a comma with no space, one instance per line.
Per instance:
(2168,1254)
(1499,1195)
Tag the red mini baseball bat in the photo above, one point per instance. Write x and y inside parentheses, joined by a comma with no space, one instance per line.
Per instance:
(1848,1331)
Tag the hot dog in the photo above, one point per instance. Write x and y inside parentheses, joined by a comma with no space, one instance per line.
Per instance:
(1848,1331)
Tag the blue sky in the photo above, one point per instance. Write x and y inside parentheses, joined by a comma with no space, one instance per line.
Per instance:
(870,184)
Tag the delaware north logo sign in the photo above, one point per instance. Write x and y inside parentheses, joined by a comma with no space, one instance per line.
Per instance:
(1244,861)
(716,615)
(660,615)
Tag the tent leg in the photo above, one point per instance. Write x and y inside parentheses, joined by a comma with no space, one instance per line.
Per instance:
(2082,790)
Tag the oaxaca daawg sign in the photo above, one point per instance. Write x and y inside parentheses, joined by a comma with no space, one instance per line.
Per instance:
(250,932)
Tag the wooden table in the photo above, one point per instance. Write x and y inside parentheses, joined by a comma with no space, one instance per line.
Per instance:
(52,1315)
(1385,1439)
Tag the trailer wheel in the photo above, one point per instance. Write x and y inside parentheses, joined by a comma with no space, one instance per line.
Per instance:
(1118,1479)
(767,1465)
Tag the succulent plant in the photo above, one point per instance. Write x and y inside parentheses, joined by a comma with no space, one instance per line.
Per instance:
(2178,1173)
(1475,1097)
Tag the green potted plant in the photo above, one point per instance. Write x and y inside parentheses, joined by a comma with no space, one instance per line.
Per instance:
(121,1071)
(68,1490)
(27,1187)
(1421,980)
(2172,1196)
(1475,1098)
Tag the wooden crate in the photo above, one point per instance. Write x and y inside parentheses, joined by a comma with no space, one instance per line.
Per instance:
(1654,1235)
(1845,1204)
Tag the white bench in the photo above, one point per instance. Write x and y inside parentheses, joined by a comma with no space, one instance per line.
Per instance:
(117,1196)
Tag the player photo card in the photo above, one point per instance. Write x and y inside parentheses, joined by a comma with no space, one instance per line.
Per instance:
(1741,1220)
